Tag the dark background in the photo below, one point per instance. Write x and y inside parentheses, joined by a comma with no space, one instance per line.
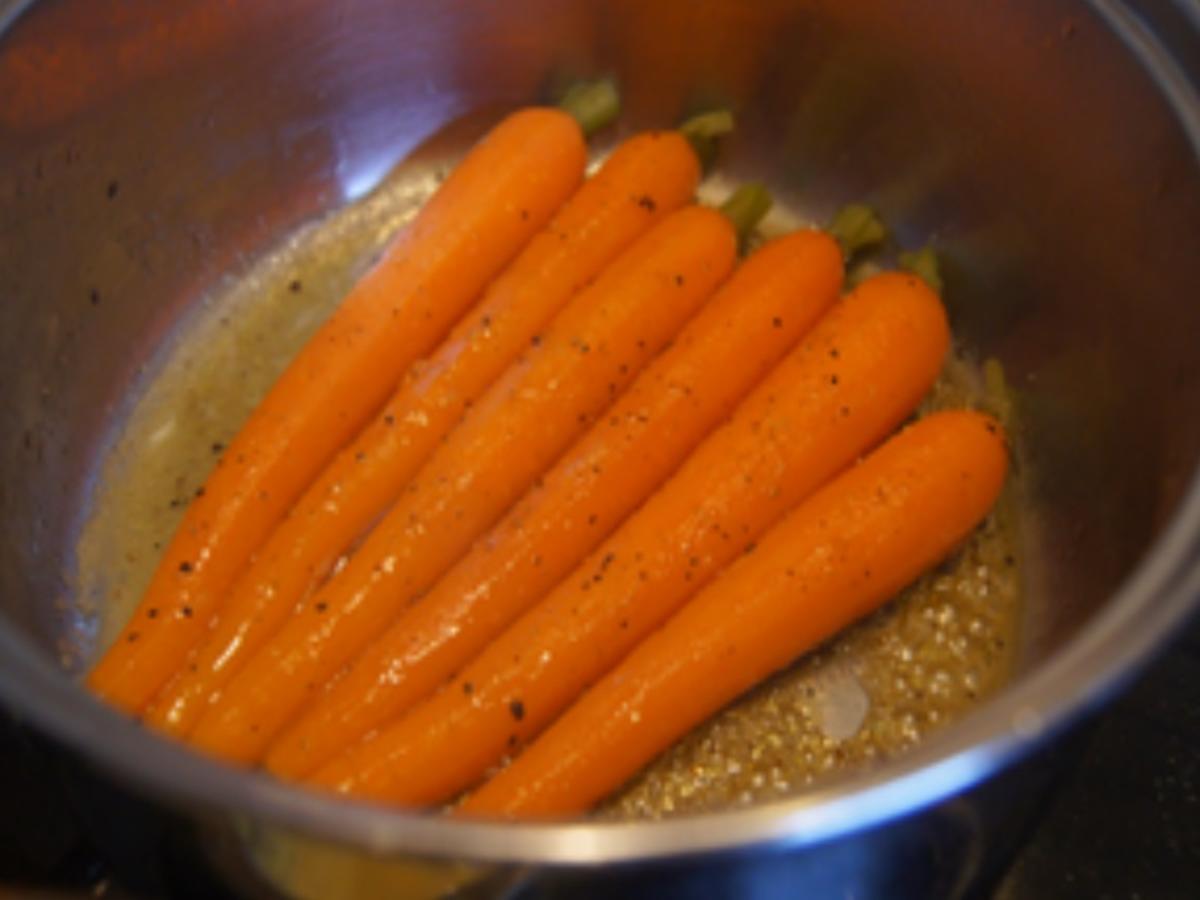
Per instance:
(1126,822)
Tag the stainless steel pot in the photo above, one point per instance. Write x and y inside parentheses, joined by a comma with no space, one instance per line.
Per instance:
(1050,147)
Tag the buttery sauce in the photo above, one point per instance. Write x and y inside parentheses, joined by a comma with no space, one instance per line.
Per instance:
(921,662)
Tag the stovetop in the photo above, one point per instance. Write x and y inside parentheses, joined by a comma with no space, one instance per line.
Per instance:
(1124,824)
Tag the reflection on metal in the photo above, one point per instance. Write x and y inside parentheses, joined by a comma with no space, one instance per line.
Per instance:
(309,869)
(10,10)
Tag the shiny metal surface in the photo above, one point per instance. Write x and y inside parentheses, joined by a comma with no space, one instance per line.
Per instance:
(1049,148)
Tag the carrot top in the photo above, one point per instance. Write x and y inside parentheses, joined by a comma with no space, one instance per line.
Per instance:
(594,105)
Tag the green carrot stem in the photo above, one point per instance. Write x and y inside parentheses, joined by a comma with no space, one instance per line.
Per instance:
(593,104)
(746,207)
(857,227)
(703,131)
(925,265)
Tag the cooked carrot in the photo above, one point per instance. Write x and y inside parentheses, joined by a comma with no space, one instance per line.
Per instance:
(740,334)
(506,189)
(516,430)
(836,558)
(645,178)
(849,383)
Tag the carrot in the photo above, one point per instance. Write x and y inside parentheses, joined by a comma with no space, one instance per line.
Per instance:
(645,178)
(835,559)
(525,420)
(849,383)
(507,188)
(740,334)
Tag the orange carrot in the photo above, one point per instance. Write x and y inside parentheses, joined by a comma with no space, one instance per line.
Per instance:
(645,178)
(507,188)
(849,383)
(842,553)
(517,429)
(740,334)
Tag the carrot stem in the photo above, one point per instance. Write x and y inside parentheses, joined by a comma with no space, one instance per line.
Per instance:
(925,265)
(746,207)
(857,227)
(702,132)
(593,104)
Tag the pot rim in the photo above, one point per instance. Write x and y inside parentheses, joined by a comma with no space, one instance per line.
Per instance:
(1151,604)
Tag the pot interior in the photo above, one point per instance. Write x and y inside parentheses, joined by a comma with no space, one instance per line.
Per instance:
(152,158)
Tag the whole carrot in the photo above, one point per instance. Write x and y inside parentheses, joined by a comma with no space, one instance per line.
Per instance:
(763,310)
(849,383)
(515,431)
(507,188)
(645,178)
(842,553)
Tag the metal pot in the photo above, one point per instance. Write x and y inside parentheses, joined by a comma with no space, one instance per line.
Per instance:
(1051,148)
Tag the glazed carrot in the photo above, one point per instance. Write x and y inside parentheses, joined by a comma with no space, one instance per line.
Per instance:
(645,178)
(507,188)
(851,381)
(842,553)
(741,333)
(516,430)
